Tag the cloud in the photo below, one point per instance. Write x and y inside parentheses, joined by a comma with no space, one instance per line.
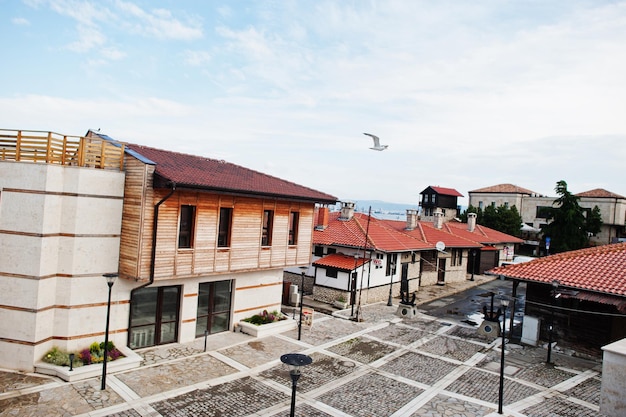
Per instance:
(20,21)
(158,23)
(196,58)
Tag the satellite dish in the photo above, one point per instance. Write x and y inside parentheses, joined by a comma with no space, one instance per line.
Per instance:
(440,246)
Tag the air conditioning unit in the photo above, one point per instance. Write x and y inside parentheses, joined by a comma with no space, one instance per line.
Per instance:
(489,329)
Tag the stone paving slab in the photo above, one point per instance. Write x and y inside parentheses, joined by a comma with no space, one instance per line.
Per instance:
(398,333)
(322,371)
(232,399)
(13,381)
(370,395)
(362,350)
(258,352)
(588,390)
(65,400)
(173,375)
(419,368)
(559,407)
(327,330)
(457,349)
(485,386)
(444,406)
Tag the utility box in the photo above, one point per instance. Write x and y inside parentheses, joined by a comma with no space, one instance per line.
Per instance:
(530,330)
(294,296)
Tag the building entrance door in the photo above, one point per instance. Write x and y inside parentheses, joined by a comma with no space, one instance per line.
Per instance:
(441,272)
(213,307)
(154,316)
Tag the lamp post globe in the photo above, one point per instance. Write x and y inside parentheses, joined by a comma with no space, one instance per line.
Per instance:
(295,361)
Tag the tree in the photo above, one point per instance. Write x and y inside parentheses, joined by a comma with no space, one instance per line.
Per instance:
(504,219)
(568,228)
(594,221)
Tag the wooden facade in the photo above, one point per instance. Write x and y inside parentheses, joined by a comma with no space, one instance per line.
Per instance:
(244,253)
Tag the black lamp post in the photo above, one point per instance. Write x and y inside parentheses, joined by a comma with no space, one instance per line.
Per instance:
(393,270)
(301,304)
(110,281)
(553,297)
(295,361)
(505,304)
(473,263)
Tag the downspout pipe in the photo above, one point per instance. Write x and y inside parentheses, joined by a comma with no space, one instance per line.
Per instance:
(155,223)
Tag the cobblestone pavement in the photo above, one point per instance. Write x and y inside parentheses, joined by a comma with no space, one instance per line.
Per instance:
(382,365)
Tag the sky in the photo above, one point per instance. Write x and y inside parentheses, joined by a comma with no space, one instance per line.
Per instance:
(467,94)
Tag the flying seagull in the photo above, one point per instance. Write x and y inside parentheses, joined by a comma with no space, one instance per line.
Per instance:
(377,145)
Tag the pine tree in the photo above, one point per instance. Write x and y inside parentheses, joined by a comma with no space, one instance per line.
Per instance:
(567,225)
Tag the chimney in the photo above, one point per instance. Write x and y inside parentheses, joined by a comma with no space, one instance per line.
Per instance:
(438,218)
(471,221)
(347,210)
(411,219)
(322,218)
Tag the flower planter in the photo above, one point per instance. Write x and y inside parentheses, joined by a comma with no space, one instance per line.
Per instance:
(342,305)
(129,361)
(269,328)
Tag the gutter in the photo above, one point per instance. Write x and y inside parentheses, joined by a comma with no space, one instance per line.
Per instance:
(155,224)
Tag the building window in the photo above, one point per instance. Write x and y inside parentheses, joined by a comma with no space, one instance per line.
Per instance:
(480,205)
(457,257)
(268,222)
(225,223)
(318,250)
(331,272)
(294,217)
(330,251)
(506,204)
(392,260)
(185,229)
(543,212)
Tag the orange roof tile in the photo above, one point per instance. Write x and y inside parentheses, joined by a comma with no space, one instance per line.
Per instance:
(341,262)
(445,191)
(504,189)
(198,172)
(600,269)
(599,193)
(481,234)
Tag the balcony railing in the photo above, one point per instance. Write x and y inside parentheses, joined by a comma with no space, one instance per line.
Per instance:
(54,148)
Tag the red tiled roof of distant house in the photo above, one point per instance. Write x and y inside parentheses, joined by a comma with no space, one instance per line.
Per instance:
(340,261)
(351,233)
(599,193)
(504,189)
(192,171)
(481,234)
(427,232)
(447,191)
(599,269)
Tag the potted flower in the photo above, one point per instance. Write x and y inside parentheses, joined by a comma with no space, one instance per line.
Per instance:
(266,323)
(341,302)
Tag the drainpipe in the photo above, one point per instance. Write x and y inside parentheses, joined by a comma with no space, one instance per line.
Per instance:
(155,223)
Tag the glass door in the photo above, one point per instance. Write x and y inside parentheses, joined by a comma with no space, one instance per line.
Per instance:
(154,316)
(213,307)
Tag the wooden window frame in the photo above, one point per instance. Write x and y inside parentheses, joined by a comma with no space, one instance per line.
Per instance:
(224,229)
(267,228)
(294,222)
(187,220)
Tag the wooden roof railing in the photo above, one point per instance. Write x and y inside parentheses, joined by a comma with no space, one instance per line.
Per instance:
(54,148)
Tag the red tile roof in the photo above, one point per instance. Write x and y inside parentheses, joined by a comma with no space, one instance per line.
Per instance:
(341,262)
(446,191)
(599,193)
(221,176)
(599,269)
(392,236)
(481,234)
(504,189)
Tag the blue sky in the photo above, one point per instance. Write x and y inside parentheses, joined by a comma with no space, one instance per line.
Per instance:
(466,94)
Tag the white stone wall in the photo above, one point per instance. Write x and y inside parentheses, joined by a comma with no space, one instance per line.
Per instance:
(612,399)
(62,227)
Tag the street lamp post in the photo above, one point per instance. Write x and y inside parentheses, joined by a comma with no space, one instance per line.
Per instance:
(295,361)
(473,263)
(301,305)
(393,270)
(110,281)
(505,304)
(553,297)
